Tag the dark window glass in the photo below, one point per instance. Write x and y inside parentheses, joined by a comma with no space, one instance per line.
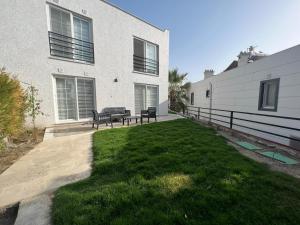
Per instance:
(268,95)
(192,98)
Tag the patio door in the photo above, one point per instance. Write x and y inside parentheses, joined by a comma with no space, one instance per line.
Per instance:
(75,98)
(145,96)
(66,98)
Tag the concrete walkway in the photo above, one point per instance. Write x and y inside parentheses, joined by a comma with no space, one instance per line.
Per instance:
(51,164)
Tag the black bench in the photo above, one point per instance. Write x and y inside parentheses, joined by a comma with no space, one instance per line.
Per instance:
(117,113)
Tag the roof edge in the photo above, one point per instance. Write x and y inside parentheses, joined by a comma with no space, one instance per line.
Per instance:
(130,14)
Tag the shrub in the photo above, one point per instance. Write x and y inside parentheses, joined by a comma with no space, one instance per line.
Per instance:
(12,105)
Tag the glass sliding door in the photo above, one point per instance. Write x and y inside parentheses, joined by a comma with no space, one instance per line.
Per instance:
(75,98)
(151,57)
(139,55)
(86,101)
(145,56)
(152,96)
(61,26)
(66,99)
(82,35)
(140,98)
(145,96)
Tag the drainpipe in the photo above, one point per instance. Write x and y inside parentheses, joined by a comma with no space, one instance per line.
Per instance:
(210,100)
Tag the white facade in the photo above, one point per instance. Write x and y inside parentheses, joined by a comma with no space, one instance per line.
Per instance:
(239,90)
(25,51)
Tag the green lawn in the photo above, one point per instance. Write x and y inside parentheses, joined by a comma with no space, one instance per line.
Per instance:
(173,173)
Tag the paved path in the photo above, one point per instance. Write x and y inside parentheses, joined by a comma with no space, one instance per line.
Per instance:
(51,164)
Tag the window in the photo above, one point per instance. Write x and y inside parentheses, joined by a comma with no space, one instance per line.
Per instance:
(268,95)
(70,36)
(75,98)
(145,57)
(207,94)
(192,98)
(145,96)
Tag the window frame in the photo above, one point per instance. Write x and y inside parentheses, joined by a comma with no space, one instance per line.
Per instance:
(56,107)
(72,16)
(192,98)
(145,42)
(145,103)
(261,106)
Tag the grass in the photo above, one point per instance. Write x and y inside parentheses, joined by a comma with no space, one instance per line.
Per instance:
(171,112)
(174,173)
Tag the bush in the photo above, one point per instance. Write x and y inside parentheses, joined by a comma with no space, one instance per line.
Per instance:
(12,105)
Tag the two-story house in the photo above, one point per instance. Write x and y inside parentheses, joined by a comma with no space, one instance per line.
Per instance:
(84,55)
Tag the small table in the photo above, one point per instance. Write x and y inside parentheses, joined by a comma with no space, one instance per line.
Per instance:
(129,118)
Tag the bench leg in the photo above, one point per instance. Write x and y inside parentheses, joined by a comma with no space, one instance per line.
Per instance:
(124,121)
(93,125)
(97,126)
(127,122)
(148,119)
(136,120)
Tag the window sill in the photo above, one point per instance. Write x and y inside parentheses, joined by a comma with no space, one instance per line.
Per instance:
(71,60)
(268,109)
(145,73)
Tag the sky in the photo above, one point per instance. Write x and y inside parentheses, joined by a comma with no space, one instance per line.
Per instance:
(209,34)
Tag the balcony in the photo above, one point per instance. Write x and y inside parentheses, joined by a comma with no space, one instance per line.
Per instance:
(145,65)
(71,48)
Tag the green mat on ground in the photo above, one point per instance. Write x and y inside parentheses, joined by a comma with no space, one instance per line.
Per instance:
(279,157)
(248,146)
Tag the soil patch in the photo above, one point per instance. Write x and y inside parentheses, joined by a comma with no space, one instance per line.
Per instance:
(20,146)
(8,215)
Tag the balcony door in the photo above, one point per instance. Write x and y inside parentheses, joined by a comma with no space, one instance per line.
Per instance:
(66,98)
(145,96)
(75,98)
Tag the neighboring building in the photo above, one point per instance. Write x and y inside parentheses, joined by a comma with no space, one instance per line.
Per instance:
(256,83)
(83,55)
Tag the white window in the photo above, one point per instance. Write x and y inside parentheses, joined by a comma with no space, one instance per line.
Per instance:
(145,57)
(145,96)
(268,97)
(70,35)
(75,98)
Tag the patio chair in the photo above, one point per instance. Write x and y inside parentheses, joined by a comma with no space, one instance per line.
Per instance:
(101,118)
(149,113)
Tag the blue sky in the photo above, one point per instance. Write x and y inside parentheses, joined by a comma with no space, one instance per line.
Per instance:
(209,34)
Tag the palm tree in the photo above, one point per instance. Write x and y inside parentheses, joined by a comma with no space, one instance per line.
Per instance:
(178,90)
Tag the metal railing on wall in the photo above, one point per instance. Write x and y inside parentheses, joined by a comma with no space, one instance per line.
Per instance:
(145,65)
(71,48)
(231,117)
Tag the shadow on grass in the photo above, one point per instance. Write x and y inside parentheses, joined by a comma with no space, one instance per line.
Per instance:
(175,172)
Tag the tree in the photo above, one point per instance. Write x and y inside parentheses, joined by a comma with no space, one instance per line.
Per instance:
(33,108)
(178,90)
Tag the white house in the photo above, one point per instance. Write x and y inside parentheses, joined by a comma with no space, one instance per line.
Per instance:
(82,55)
(255,83)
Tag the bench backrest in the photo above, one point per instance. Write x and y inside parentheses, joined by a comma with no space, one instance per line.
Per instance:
(152,111)
(114,110)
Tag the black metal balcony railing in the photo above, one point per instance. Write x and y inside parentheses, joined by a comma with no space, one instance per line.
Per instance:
(71,48)
(236,120)
(145,65)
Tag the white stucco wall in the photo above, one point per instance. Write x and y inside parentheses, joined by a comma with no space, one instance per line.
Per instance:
(238,90)
(25,52)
